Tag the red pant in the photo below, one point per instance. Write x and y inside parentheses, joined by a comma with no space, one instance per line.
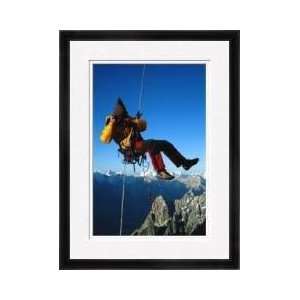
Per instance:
(156,158)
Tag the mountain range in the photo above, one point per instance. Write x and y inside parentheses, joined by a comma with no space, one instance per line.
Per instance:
(142,193)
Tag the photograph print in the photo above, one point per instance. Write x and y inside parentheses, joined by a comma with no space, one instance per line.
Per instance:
(148,148)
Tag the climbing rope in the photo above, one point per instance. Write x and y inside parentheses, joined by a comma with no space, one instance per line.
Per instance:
(141,90)
(122,199)
(140,162)
(144,163)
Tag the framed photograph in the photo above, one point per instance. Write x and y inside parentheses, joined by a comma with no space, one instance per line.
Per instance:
(149,150)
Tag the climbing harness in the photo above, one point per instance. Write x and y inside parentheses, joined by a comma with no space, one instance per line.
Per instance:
(130,156)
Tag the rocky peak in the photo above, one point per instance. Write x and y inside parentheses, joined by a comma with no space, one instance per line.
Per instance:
(159,212)
(189,217)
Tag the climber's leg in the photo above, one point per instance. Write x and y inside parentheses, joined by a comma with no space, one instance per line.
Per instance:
(156,159)
(159,166)
(157,162)
(156,146)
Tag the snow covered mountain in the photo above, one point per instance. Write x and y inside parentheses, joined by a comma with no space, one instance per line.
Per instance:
(140,191)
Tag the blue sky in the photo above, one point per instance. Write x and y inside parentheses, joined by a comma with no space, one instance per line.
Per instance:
(173,104)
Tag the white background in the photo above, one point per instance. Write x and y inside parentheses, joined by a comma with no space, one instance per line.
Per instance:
(270,111)
(215,243)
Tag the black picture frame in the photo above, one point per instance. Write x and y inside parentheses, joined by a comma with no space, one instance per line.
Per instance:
(233,36)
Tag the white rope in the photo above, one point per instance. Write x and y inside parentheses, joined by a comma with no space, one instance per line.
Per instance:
(122,200)
(141,90)
(124,170)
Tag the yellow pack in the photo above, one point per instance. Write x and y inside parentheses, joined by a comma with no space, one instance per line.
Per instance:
(107,133)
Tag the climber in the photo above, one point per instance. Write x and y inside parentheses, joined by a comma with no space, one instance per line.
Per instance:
(125,131)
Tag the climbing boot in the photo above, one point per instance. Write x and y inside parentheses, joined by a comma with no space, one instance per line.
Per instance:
(189,163)
(165,175)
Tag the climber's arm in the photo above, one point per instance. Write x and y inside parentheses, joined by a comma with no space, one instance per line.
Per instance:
(107,132)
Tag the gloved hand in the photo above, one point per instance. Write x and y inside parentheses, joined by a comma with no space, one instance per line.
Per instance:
(109,119)
(139,114)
